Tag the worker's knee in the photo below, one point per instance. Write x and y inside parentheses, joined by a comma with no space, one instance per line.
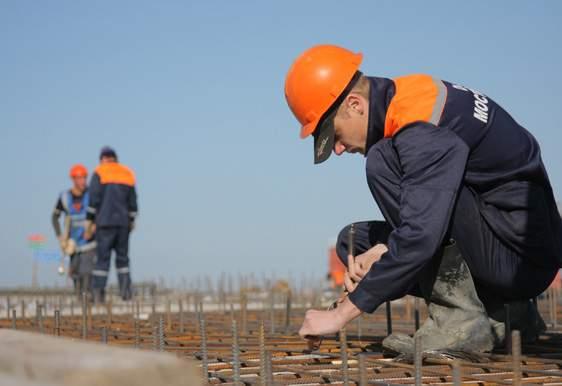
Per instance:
(121,261)
(342,247)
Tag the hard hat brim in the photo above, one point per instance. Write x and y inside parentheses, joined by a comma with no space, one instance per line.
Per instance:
(324,137)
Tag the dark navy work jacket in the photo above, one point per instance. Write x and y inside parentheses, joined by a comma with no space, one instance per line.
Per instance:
(446,135)
(113,197)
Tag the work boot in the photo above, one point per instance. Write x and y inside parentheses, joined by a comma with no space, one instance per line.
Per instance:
(523,315)
(457,318)
(125,286)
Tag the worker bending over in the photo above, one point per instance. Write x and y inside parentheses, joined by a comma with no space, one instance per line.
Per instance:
(113,208)
(471,221)
(73,242)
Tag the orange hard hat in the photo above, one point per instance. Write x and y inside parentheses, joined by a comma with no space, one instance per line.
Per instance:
(78,170)
(315,81)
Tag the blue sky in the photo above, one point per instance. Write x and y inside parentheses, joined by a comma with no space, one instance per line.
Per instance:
(191,96)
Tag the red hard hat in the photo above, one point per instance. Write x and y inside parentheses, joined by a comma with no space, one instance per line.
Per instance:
(78,170)
(315,81)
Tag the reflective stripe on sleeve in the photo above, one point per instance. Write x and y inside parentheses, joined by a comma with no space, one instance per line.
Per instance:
(439,101)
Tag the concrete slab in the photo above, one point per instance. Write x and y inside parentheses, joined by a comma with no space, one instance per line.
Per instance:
(35,358)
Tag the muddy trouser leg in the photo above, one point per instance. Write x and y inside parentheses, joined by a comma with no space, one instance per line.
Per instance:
(122,263)
(105,238)
(501,275)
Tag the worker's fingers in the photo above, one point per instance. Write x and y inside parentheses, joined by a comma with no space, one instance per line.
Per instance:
(348,283)
(354,268)
(360,270)
(342,297)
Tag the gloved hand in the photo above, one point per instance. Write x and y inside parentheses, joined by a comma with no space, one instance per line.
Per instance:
(131,225)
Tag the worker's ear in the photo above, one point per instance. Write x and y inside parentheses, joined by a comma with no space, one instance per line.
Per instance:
(356,104)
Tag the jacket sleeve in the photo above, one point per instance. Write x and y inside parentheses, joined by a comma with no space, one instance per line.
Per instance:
(55,217)
(433,161)
(95,190)
(132,203)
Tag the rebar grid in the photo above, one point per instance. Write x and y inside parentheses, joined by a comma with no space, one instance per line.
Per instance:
(235,344)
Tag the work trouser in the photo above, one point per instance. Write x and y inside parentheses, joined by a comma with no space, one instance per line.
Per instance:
(499,273)
(108,239)
(81,267)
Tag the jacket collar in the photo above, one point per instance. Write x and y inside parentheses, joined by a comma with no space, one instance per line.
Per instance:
(381,93)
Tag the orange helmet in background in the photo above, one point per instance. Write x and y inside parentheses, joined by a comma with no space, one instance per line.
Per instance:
(315,81)
(78,170)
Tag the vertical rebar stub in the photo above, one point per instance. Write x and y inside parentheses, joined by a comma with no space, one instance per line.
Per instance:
(263,359)
(417,314)
(103,334)
(288,310)
(84,316)
(14,324)
(204,350)
(388,318)
(363,381)
(161,334)
(457,373)
(516,356)
(507,312)
(40,317)
(57,322)
(343,351)
(418,359)
(137,333)
(268,368)
(351,240)
(182,317)
(235,353)
(155,337)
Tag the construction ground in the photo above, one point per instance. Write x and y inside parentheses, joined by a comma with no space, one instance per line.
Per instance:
(249,336)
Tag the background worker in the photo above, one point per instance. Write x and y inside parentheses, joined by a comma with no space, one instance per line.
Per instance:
(471,220)
(113,208)
(73,203)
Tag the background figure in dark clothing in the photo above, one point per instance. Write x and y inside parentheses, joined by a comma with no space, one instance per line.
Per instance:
(112,212)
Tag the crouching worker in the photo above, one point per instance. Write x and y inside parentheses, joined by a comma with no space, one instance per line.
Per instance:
(470,218)
(72,238)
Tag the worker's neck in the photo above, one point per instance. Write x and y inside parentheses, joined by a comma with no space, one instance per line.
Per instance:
(77,191)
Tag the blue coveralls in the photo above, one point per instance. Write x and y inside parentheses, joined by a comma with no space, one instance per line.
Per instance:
(444,161)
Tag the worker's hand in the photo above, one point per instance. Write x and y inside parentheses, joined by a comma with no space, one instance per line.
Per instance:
(89,230)
(317,323)
(131,226)
(363,262)
(62,242)
(348,283)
